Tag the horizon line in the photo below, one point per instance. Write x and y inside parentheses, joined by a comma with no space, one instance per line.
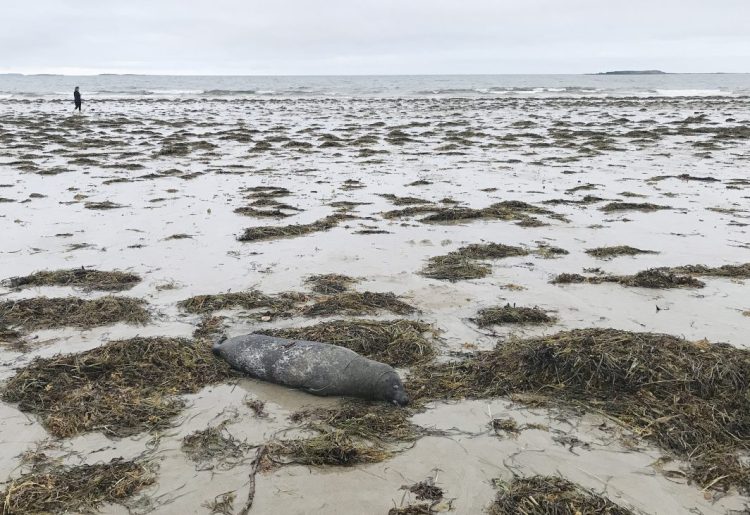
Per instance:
(125,74)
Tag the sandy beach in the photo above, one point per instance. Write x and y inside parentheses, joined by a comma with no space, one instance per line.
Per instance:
(379,190)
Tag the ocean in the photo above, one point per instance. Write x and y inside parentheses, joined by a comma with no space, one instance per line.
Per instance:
(14,86)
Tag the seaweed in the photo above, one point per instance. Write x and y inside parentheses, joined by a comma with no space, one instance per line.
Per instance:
(270,232)
(261,213)
(222,504)
(88,279)
(49,313)
(462,264)
(651,278)
(121,388)
(615,251)
(690,398)
(278,305)
(632,206)
(409,211)
(734,271)
(505,210)
(358,303)
(52,488)
(455,267)
(394,342)
(329,448)
(367,420)
(327,284)
(215,445)
(547,495)
(403,201)
(501,315)
(103,205)
(208,327)
(421,508)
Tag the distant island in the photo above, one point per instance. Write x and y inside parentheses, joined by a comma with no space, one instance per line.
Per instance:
(633,72)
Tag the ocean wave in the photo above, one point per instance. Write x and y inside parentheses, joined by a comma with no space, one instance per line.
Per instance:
(692,92)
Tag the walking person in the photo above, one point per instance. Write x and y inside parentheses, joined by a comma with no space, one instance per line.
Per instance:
(77,99)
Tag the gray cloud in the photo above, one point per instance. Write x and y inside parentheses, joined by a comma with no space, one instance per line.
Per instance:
(367,36)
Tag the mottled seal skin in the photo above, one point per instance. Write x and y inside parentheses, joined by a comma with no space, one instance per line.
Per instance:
(318,368)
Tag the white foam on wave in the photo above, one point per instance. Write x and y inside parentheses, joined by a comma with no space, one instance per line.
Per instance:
(176,91)
(692,92)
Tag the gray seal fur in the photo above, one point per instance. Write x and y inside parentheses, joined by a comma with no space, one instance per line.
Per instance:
(318,368)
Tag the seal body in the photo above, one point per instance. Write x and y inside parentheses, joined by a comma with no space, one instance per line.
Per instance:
(318,368)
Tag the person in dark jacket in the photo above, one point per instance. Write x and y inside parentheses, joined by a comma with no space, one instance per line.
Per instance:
(77,99)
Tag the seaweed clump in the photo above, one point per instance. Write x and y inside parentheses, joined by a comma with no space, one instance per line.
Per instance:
(107,204)
(48,313)
(500,315)
(327,284)
(690,398)
(616,251)
(505,210)
(370,421)
(215,445)
(329,448)
(632,206)
(734,271)
(270,232)
(278,305)
(546,495)
(121,388)
(394,342)
(49,488)
(89,279)
(651,278)
(463,263)
(358,303)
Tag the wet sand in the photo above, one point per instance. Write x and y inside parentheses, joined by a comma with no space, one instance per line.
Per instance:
(183,167)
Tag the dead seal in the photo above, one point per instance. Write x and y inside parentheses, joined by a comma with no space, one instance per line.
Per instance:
(317,368)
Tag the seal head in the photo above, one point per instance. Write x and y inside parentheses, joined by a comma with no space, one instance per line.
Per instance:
(390,388)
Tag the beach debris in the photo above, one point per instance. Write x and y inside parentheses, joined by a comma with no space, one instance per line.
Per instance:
(48,313)
(89,279)
(548,495)
(120,388)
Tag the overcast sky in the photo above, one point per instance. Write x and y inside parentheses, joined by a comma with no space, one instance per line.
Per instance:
(372,36)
